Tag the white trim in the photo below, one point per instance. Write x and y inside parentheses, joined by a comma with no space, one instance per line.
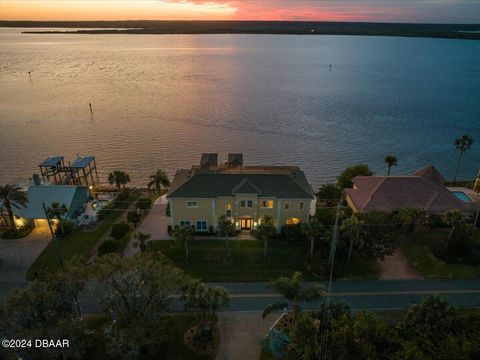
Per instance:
(206,225)
(192,202)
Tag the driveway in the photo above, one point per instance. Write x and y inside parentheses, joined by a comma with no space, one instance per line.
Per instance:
(17,255)
(155,223)
(241,333)
(396,267)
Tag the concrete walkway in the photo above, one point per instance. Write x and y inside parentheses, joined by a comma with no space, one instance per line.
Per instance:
(241,333)
(16,256)
(155,223)
(396,267)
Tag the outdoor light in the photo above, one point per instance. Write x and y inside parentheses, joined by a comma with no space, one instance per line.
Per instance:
(254,223)
(236,223)
(91,187)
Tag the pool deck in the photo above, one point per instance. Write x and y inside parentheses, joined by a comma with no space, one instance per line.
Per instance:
(472,194)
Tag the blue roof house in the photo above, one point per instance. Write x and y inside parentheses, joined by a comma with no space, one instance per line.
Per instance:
(74,198)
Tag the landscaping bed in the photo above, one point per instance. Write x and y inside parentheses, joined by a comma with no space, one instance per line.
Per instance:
(420,253)
(175,347)
(17,233)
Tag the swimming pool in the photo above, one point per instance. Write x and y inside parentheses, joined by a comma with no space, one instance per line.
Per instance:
(99,204)
(462,196)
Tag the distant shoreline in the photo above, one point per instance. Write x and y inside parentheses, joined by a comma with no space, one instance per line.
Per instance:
(446,31)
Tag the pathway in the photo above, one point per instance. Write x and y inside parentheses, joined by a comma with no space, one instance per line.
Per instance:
(396,267)
(155,223)
(17,255)
(241,333)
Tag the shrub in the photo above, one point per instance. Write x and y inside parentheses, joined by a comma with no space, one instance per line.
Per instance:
(67,229)
(144,203)
(102,213)
(108,246)
(470,256)
(134,217)
(120,230)
(169,230)
(293,232)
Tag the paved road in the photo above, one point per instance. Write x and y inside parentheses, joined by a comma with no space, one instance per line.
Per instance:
(359,294)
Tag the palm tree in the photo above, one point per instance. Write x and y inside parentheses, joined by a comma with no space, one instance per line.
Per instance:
(119,178)
(142,239)
(352,228)
(57,211)
(183,235)
(462,144)
(291,288)
(264,232)
(158,180)
(226,227)
(409,218)
(391,161)
(312,230)
(453,218)
(12,197)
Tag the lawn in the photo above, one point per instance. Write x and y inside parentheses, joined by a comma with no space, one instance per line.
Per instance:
(208,260)
(78,243)
(418,252)
(175,348)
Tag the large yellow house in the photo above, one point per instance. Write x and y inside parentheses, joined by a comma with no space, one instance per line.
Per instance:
(245,194)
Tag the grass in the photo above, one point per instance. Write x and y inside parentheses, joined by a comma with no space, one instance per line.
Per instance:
(418,252)
(175,349)
(78,243)
(208,260)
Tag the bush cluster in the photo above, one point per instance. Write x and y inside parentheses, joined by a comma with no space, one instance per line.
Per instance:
(120,230)
(144,203)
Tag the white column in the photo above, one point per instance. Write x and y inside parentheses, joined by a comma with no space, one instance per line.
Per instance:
(279,209)
(172,220)
(214,215)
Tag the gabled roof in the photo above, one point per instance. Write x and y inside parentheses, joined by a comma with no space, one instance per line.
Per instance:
(430,172)
(281,182)
(74,198)
(389,193)
(246,187)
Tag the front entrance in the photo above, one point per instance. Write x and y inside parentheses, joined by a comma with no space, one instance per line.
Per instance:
(246,224)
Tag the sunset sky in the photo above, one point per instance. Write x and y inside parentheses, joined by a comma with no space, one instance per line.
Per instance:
(436,11)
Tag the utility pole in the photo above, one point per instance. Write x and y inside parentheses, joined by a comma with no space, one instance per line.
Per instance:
(476,216)
(54,238)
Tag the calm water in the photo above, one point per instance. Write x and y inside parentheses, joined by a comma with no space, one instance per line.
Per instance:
(159,101)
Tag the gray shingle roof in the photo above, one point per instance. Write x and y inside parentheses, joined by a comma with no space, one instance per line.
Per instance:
(205,184)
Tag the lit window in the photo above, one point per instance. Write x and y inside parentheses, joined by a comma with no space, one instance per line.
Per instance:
(228,210)
(302,205)
(266,204)
(192,204)
(201,225)
(293,221)
(287,205)
(184,223)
